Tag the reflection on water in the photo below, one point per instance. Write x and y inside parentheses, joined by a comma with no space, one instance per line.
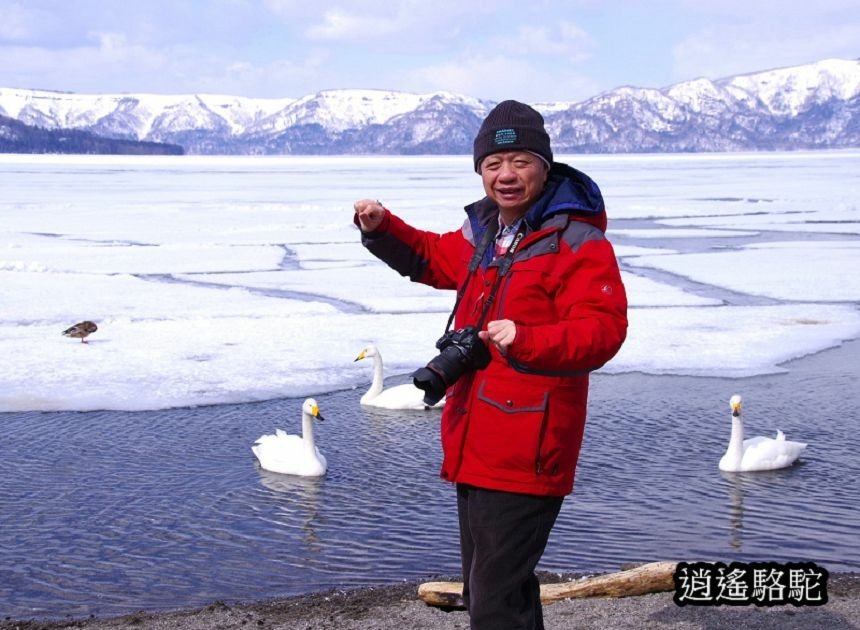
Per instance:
(299,504)
(740,484)
(107,513)
(735,484)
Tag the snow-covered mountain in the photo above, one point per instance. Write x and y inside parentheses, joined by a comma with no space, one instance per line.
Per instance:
(811,106)
(804,107)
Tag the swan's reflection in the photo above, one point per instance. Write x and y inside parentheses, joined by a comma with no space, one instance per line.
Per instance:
(300,503)
(745,484)
(737,486)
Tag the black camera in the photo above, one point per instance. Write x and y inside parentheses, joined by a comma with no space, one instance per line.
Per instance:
(460,351)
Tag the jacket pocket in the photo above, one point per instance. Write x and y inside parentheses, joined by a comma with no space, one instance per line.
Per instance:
(508,425)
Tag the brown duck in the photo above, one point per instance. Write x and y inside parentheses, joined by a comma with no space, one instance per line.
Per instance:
(81,330)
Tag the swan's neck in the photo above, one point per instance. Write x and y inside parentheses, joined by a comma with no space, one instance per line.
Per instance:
(735,450)
(308,432)
(376,385)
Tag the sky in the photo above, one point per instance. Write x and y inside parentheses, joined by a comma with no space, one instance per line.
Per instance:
(533,51)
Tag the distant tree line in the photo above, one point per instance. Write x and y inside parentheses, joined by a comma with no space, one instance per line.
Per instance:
(17,137)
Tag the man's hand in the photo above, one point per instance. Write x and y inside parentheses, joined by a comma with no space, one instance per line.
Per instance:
(370,214)
(501,333)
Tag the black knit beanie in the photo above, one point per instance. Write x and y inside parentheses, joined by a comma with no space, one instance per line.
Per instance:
(511,126)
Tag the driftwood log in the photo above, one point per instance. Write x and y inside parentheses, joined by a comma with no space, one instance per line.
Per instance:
(654,577)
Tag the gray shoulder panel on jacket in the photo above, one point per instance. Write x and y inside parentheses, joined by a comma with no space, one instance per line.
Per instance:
(578,233)
(467,232)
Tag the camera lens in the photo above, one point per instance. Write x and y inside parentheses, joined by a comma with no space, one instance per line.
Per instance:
(430,383)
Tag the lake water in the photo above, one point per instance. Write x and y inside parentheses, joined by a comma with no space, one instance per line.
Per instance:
(239,283)
(110,512)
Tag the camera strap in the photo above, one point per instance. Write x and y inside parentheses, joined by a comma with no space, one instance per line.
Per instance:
(474,262)
(504,266)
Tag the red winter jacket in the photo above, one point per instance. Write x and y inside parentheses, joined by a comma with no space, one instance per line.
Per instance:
(518,424)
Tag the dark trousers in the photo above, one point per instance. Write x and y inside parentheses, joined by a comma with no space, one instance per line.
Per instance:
(502,537)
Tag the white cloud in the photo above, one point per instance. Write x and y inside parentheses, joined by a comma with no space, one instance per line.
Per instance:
(743,36)
(291,48)
(531,63)
(767,10)
(501,77)
(277,48)
(292,8)
(110,59)
(12,25)
(564,39)
(277,79)
(340,25)
(721,51)
(408,27)
(19,23)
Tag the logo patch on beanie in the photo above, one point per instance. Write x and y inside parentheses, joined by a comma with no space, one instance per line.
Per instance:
(506,136)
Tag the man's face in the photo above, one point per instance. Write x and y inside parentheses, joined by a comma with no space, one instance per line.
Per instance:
(514,180)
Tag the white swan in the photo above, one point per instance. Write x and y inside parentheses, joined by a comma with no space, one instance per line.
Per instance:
(758,453)
(291,454)
(405,396)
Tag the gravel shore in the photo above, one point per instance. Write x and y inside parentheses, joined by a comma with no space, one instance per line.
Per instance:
(397,607)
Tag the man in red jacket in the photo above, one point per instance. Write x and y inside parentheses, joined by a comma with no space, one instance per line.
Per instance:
(539,284)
